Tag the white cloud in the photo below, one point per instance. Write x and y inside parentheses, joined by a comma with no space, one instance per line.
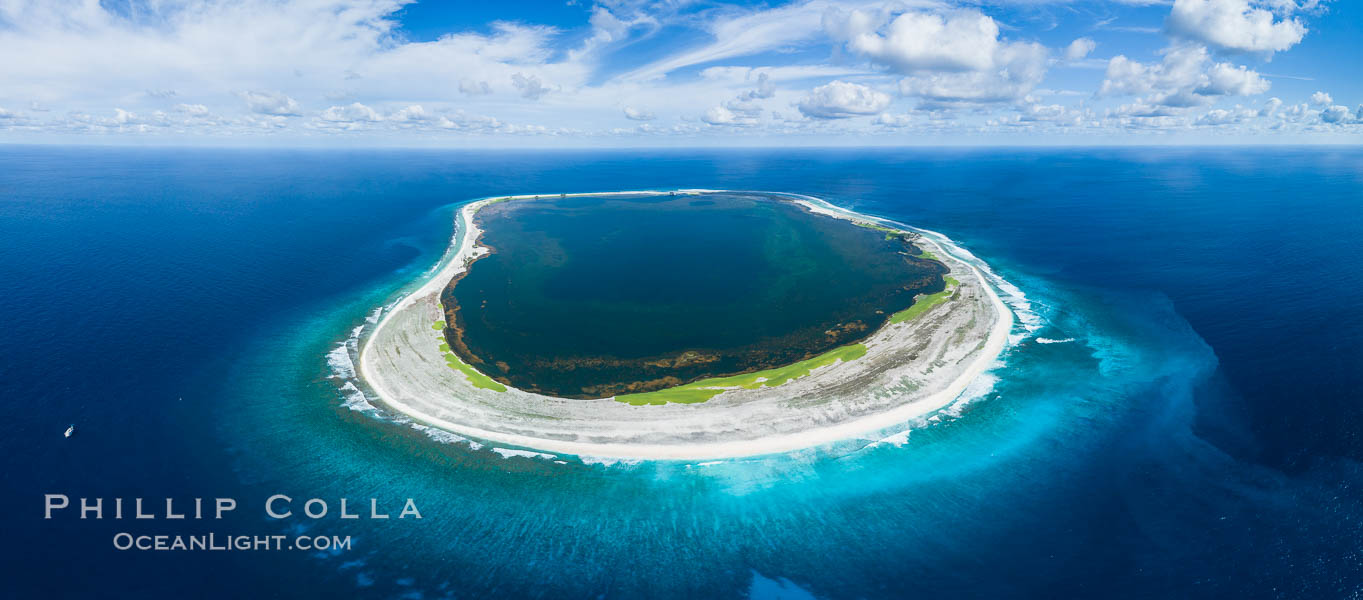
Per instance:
(1225,79)
(1270,107)
(743,33)
(1237,24)
(1321,99)
(412,114)
(745,108)
(1080,49)
(1019,69)
(767,77)
(1051,113)
(1336,114)
(271,103)
(635,114)
(894,120)
(917,41)
(1218,117)
(474,88)
(840,100)
(765,88)
(718,115)
(193,110)
(352,113)
(298,68)
(1187,77)
(953,57)
(530,86)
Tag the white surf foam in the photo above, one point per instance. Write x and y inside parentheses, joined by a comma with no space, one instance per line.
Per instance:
(442,436)
(897,440)
(508,453)
(355,399)
(979,388)
(607,461)
(342,367)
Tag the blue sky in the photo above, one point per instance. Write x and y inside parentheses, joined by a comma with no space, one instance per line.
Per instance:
(677,72)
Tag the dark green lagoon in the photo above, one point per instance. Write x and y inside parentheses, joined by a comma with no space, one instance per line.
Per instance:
(598,296)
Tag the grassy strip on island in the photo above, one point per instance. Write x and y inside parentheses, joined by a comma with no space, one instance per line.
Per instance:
(889,232)
(705,389)
(476,378)
(925,303)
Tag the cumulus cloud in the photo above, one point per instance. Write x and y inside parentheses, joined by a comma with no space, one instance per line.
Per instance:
(718,115)
(1225,79)
(953,57)
(1021,67)
(470,87)
(1187,77)
(1336,115)
(840,100)
(412,114)
(352,113)
(271,103)
(1271,107)
(894,120)
(193,110)
(1080,49)
(746,108)
(1321,99)
(916,41)
(1244,25)
(1051,113)
(530,86)
(1219,116)
(765,88)
(635,114)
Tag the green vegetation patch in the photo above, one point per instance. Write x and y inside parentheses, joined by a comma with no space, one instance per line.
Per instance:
(876,227)
(478,380)
(929,256)
(705,389)
(926,302)
(890,233)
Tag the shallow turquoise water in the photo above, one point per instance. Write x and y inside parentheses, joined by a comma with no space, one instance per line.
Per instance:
(184,310)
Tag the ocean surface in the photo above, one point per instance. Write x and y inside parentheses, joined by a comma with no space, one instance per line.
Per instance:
(1180,413)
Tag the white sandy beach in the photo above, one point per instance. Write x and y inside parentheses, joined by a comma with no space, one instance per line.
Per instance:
(911,369)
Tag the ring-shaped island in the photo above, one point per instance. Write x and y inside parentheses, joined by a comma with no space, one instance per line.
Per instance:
(682,325)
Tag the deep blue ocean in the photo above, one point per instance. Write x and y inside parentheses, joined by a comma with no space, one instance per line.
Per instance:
(1185,419)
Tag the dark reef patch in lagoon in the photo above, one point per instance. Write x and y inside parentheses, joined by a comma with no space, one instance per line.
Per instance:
(589,297)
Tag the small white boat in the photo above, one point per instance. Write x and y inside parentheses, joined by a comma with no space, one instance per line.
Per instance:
(69,430)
